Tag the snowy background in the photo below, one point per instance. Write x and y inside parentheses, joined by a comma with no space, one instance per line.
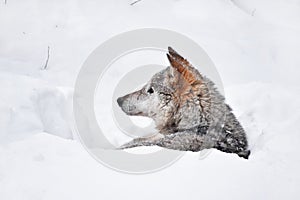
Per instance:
(254,44)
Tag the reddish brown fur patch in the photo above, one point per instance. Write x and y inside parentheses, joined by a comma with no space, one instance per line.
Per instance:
(180,66)
(188,85)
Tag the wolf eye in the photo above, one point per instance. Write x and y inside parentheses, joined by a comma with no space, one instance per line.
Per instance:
(150,90)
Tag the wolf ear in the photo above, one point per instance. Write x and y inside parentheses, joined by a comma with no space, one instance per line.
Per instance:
(189,73)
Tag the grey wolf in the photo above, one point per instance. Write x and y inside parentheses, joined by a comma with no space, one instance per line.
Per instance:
(189,112)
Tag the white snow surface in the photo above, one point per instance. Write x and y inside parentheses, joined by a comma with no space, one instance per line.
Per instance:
(254,45)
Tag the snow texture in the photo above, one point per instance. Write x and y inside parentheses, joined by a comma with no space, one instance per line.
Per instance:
(254,45)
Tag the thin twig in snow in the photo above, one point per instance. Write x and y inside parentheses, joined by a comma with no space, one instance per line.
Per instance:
(48,55)
(135,2)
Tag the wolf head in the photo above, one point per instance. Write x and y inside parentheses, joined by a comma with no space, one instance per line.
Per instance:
(167,92)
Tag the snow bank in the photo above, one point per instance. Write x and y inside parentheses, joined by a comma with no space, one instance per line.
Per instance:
(30,105)
(270,115)
(254,44)
(50,167)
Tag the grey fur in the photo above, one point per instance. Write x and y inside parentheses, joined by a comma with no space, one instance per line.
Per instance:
(189,112)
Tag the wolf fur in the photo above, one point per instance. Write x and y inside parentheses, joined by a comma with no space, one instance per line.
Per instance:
(189,112)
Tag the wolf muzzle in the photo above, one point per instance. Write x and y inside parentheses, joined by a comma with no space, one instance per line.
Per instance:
(120,101)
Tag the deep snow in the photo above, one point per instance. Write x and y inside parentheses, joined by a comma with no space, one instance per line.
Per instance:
(254,45)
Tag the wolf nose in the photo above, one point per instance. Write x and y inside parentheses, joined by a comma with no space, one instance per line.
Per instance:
(120,101)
